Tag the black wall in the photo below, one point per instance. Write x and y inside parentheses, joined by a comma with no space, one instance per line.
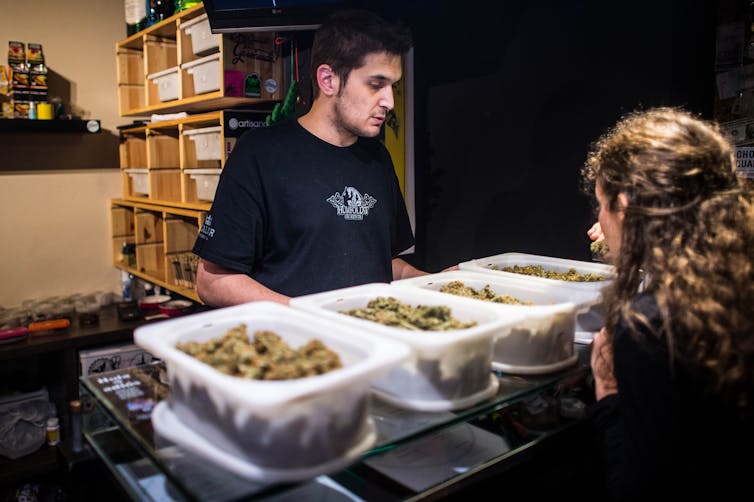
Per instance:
(508,98)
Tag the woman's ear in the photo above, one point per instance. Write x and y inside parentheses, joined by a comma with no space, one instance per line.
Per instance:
(622,203)
(622,200)
(327,80)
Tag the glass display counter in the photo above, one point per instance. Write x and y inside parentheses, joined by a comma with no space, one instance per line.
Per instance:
(417,455)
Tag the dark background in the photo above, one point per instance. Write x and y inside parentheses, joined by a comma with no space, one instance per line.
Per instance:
(510,95)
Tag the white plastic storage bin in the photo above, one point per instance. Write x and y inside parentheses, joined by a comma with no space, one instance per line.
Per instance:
(139,179)
(271,431)
(206,182)
(207,142)
(448,369)
(206,73)
(167,83)
(202,39)
(543,341)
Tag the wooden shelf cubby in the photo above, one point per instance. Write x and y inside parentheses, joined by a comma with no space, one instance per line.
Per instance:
(163,237)
(159,161)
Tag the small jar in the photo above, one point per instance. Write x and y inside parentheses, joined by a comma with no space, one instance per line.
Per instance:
(53,431)
(87,308)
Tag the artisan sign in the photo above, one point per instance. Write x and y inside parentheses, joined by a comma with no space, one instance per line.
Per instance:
(745,161)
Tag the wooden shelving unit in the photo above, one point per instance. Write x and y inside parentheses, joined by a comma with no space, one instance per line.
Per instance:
(168,46)
(168,176)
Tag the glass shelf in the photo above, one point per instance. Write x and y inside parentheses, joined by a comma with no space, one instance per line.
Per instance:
(525,410)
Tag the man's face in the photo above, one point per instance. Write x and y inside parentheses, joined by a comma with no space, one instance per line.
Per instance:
(362,105)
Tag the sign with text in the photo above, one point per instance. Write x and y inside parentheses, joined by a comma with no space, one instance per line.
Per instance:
(745,161)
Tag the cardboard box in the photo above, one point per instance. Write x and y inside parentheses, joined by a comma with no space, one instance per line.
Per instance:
(112,357)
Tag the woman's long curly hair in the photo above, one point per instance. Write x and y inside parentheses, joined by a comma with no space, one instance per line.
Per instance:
(687,238)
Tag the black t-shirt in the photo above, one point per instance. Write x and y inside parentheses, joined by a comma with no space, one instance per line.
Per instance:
(300,215)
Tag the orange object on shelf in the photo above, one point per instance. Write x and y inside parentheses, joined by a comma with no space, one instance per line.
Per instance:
(49,324)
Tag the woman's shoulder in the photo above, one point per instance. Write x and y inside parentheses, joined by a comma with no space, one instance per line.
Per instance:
(645,303)
(645,326)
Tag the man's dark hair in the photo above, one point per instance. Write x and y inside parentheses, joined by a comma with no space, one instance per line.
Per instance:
(348,36)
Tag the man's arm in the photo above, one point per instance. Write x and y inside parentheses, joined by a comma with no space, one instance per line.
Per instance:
(222,287)
(403,270)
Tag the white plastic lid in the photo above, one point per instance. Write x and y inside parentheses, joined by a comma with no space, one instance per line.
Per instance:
(162,73)
(203,130)
(192,172)
(194,21)
(205,59)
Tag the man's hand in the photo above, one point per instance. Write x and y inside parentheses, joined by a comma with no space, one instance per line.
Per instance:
(595,232)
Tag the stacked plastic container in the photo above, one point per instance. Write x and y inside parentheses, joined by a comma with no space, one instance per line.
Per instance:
(448,369)
(271,431)
(207,142)
(289,430)
(205,70)
(588,319)
(542,341)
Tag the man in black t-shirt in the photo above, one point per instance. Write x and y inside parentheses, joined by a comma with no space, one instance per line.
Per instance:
(313,204)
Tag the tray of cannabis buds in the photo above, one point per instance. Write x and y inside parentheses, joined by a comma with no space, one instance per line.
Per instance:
(271,393)
(543,340)
(450,337)
(563,271)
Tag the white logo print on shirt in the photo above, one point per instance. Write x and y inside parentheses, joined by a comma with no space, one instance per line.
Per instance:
(351,204)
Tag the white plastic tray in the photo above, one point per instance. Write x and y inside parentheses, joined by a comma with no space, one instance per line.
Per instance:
(557,264)
(449,369)
(542,341)
(167,425)
(286,425)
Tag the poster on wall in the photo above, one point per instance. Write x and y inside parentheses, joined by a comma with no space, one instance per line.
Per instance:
(398,134)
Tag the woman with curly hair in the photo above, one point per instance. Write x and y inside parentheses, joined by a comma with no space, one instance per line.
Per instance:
(674,364)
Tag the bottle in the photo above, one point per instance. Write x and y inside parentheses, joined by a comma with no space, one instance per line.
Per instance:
(127,283)
(185,4)
(53,431)
(32,110)
(124,253)
(76,425)
(157,10)
(136,16)
(128,253)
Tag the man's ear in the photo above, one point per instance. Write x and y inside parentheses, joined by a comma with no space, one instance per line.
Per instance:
(327,80)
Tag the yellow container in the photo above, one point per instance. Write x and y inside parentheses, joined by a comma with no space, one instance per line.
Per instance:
(44,111)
